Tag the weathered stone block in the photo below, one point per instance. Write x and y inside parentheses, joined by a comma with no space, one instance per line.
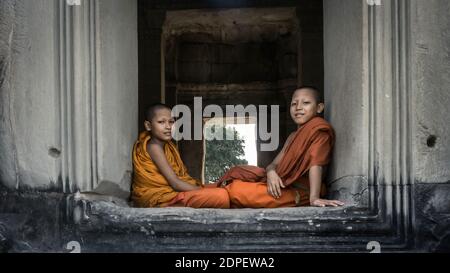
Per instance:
(223,72)
(352,190)
(190,52)
(287,66)
(226,53)
(194,72)
(432,220)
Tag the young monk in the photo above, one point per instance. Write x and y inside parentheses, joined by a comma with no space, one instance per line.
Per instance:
(160,177)
(294,178)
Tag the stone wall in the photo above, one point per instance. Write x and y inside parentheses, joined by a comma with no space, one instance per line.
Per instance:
(431,97)
(345,98)
(29,124)
(117,97)
(221,63)
(431,136)
(408,174)
(68,88)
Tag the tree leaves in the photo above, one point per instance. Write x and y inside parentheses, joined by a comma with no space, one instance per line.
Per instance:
(221,155)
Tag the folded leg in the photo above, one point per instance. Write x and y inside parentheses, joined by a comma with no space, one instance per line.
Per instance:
(254,195)
(203,198)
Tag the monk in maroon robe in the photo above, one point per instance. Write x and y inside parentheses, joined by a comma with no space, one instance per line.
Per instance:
(294,178)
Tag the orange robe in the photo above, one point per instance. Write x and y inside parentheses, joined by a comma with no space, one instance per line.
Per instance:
(151,189)
(310,146)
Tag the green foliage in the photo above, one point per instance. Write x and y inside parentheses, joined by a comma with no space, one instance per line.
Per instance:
(221,155)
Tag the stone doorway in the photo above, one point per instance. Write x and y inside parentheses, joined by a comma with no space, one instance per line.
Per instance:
(245,56)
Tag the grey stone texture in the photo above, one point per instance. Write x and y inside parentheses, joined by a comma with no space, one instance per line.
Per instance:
(47,222)
(431,97)
(432,216)
(36,114)
(117,94)
(351,190)
(345,101)
(69,104)
(28,94)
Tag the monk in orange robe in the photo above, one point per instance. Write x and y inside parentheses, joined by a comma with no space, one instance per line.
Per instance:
(294,178)
(160,176)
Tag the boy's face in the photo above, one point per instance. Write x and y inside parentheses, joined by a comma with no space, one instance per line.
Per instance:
(304,106)
(161,124)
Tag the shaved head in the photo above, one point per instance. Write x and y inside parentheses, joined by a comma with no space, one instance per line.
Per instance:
(316,93)
(151,110)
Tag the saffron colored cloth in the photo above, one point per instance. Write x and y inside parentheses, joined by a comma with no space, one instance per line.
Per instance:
(207,197)
(311,145)
(254,195)
(151,189)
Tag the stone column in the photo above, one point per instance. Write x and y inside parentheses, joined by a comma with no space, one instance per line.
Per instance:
(98,85)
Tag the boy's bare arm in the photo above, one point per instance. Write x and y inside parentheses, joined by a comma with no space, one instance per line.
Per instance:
(315,182)
(160,160)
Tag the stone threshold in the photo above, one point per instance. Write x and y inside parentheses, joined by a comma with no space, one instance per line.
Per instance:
(118,227)
(85,206)
(47,222)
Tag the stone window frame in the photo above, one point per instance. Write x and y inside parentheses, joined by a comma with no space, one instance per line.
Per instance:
(387,219)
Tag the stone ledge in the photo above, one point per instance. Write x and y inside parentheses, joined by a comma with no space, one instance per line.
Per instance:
(107,226)
(48,221)
(122,228)
(86,206)
(248,216)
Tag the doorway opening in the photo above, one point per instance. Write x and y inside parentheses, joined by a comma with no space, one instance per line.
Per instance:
(228,142)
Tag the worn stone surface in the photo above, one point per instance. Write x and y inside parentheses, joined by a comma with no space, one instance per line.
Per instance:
(31,222)
(431,97)
(117,96)
(8,171)
(208,63)
(233,26)
(28,94)
(350,190)
(230,46)
(47,222)
(5,239)
(344,99)
(32,102)
(432,216)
